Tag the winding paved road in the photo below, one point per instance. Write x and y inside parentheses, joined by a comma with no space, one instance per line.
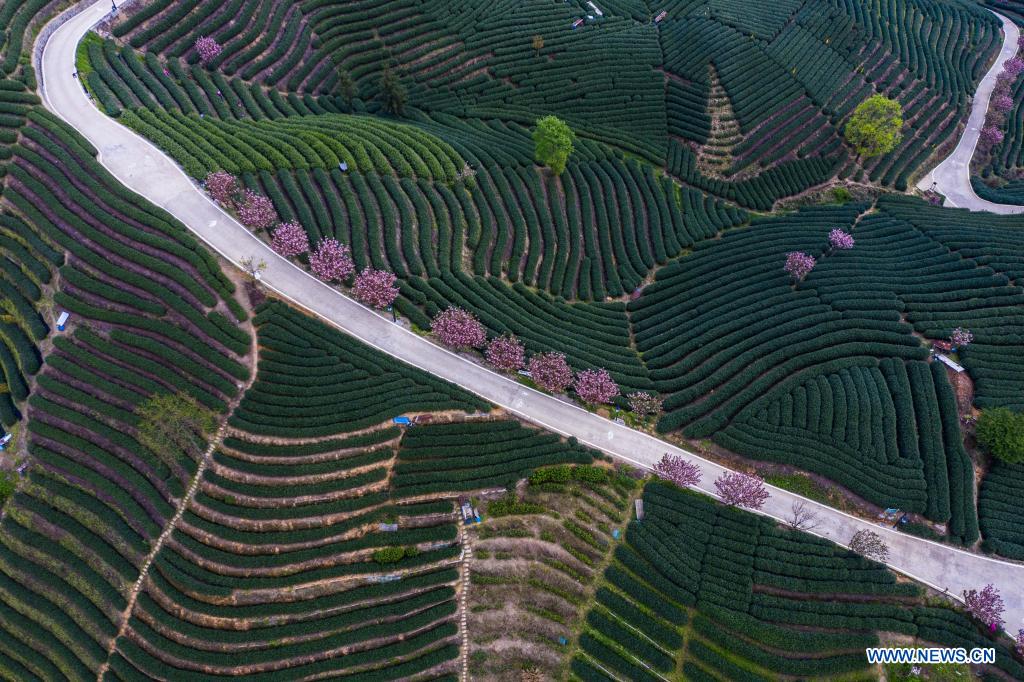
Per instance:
(145,170)
(952,177)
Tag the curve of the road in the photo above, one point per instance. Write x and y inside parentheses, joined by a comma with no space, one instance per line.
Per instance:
(143,168)
(952,177)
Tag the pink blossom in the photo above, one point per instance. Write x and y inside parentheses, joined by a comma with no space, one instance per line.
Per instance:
(961,337)
(987,606)
(1020,642)
(1004,83)
(675,469)
(289,239)
(741,490)
(332,261)
(375,288)
(596,386)
(1014,66)
(991,135)
(458,328)
(550,371)
(798,264)
(1002,102)
(223,187)
(643,404)
(506,353)
(208,49)
(839,239)
(257,211)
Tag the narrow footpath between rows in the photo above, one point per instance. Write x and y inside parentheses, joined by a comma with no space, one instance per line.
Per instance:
(143,168)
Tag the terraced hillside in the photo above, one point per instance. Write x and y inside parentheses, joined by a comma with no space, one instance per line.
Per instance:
(620,77)
(317,539)
(839,356)
(302,540)
(450,199)
(151,314)
(997,168)
(27,265)
(711,592)
(535,568)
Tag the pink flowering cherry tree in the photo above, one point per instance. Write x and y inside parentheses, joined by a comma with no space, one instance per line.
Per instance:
(678,470)
(1002,102)
(741,490)
(506,353)
(289,239)
(223,187)
(986,605)
(838,239)
(375,288)
(799,264)
(208,49)
(991,135)
(1004,82)
(1020,642)
(596,386)
(1014,66)
(458,328)
(332,261)
(961,337)
(642,403)
(550,371)
(257,211)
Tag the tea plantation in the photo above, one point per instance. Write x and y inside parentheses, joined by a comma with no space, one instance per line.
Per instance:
(717,593)
(306,533)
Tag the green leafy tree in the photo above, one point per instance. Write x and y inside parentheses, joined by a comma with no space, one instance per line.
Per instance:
(392,92)
(346,86)
(553,140)
(1001,432)
(172,424)
(876,125)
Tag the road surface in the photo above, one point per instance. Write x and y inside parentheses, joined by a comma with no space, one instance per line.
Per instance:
(146,170)
(952,177)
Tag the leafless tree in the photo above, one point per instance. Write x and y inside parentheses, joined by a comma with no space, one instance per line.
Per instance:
(802,517)
(254,268)
(868,543)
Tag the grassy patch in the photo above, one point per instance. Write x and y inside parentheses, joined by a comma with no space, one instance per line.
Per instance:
(801,484)
(82,63)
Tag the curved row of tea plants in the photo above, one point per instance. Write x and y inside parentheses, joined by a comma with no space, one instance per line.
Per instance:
(477,455)
(999,509)
(26,268)
(752,601)
(299,536)
(536,564)
(121,78)
(266,41)
(151,313)
(315,381)
(324,141)
(837,368)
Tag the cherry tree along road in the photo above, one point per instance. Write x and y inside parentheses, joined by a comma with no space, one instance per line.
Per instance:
(952,177)
(144,169)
